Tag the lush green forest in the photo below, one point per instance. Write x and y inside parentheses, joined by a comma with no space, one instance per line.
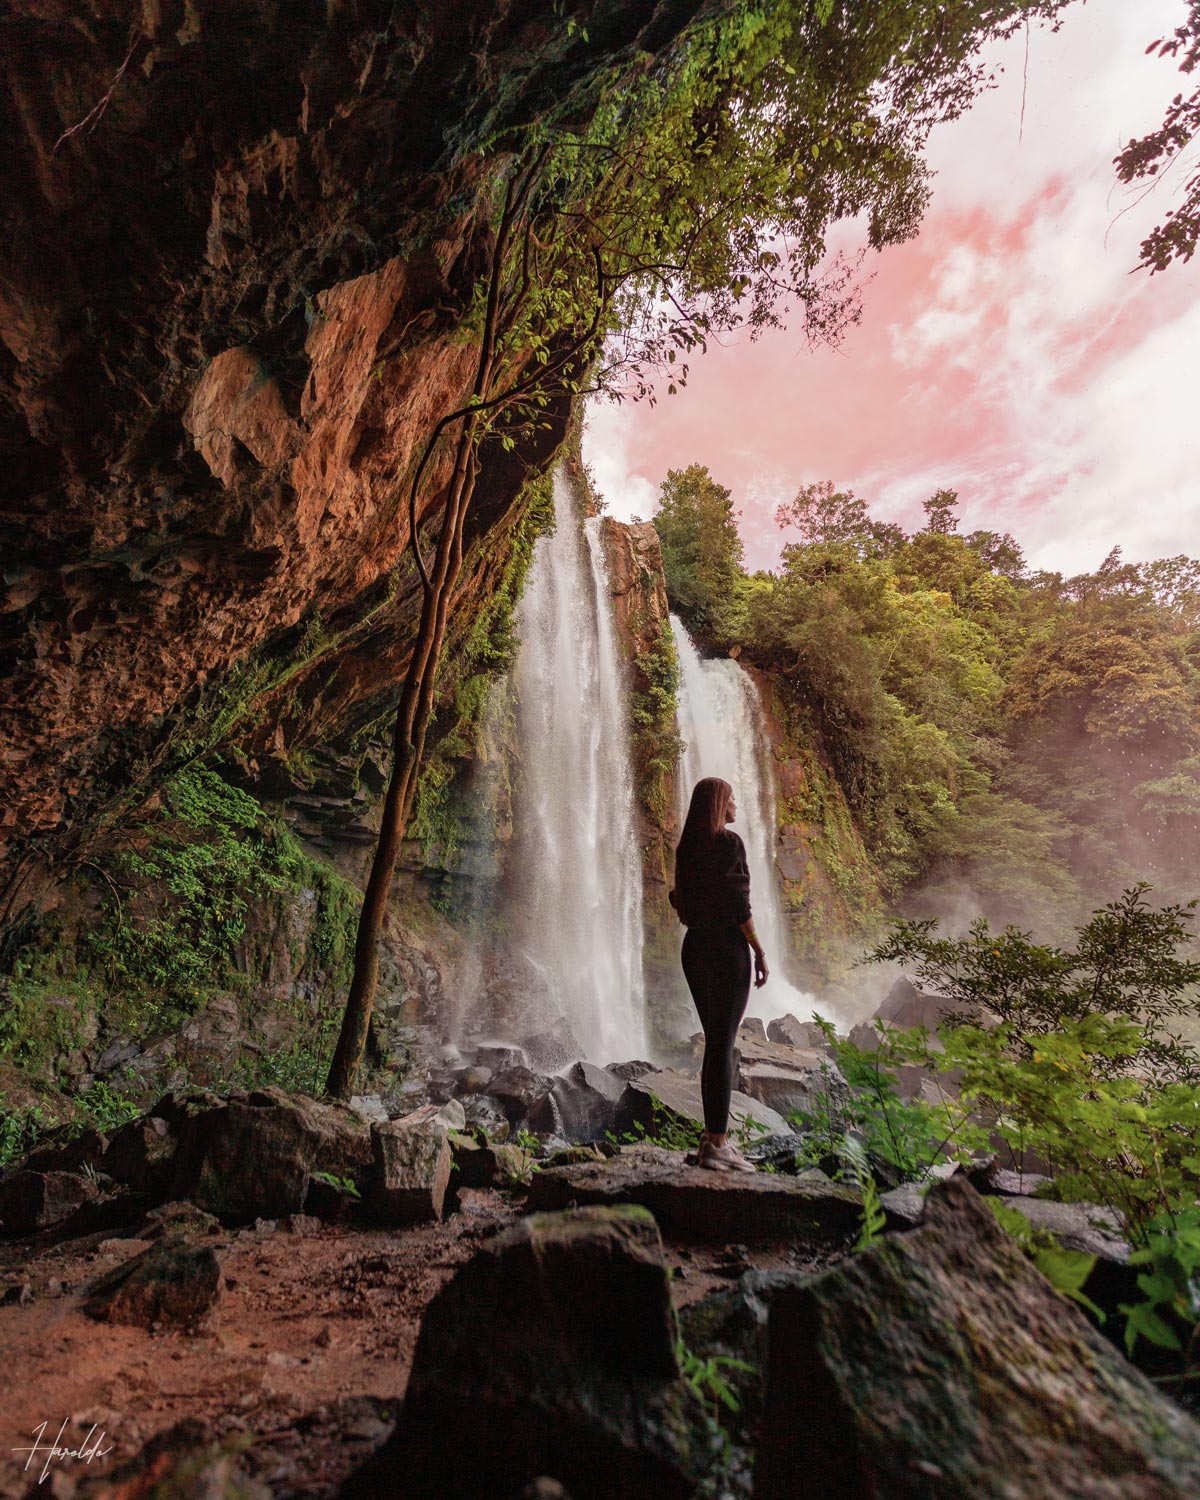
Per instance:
(1026,740)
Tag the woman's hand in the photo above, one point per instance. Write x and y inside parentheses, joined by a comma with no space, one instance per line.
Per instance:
(760,968)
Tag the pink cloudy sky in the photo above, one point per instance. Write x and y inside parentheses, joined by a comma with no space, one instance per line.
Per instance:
(1007,352)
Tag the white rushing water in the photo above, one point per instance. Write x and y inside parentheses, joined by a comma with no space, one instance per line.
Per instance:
(577,915)
(720,719)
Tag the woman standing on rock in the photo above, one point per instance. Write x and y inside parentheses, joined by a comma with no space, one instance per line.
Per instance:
(712,900)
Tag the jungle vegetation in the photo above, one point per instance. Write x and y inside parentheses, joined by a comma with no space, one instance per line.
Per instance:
(1029,739)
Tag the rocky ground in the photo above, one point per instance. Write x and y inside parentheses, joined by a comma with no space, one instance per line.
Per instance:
(305,1357)
(525,1286)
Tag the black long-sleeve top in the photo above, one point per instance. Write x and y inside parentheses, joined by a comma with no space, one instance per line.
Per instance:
(718,884)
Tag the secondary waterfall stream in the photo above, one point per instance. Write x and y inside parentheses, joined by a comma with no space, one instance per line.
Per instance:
(720,719)
(577,917)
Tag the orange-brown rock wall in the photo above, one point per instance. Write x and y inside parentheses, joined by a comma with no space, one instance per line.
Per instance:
(240,246)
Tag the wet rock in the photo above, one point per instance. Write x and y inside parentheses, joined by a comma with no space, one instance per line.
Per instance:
(254,1158)
(485,1114)
(680,1096)
(518,1090)
(30,1201)
(712,1207)
(554,1350)
(1016,1395)
(789,1032)
(732,1324)
(473,1080)
(175,1282)
(551,1047)
(500,1058)
(583,1103)
(141,1154)
(412,1168)
(189,1460)
(636,1068)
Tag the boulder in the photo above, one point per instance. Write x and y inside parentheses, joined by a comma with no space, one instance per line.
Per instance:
(783,1089)
(518,1090)
(789,1032)
(752,1030)
(549,1355)
(254,1157)
(500,1058)
(941,1363)
(1077,1226)
(703,1206)
(551,1046)
(473,1080)
(67,1153)
(369,1106)
(582,1105)
(412,1168)
(175,1282)
(141,1154)
(680,1096)
(30,1201)
(490,1164)
(482,1113)
(635,1068)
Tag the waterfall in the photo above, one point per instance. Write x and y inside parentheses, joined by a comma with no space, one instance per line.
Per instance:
(576,913)
(720,719)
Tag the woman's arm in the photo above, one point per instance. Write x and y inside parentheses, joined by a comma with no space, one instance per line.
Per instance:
(738,877)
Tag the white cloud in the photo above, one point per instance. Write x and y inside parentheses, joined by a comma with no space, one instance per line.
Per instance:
(606,449)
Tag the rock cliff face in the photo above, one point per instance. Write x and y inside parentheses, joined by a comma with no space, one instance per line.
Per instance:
(242,241)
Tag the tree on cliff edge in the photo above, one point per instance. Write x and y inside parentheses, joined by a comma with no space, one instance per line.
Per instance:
(696,198)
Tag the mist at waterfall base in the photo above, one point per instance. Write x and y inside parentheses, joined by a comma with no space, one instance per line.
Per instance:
(720,720)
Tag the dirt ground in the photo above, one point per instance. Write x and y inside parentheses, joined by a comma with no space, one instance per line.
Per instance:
(308,1350)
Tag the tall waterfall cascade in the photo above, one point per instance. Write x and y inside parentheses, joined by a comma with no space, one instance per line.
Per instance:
(577,891)
(721,722)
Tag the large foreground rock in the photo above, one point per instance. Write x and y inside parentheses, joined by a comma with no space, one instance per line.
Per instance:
(254,1157)
(940,1365)
(714,1207)
(551,1353)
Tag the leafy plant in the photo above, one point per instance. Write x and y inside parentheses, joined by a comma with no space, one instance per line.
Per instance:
(345,1185)
(1065,1270)
(874,1220)
(909,1135)
(707,1379)
(671,1131)
(1170,1285)
(19,1130)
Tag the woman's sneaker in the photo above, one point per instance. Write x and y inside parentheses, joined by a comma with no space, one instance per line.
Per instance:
(724,1158)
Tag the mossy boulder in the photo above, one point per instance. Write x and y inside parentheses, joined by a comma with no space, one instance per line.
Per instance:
(940,1365)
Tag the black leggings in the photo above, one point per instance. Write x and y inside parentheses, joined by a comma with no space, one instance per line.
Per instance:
(716,964)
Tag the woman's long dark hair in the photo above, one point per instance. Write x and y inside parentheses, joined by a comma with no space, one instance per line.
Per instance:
(705,820)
